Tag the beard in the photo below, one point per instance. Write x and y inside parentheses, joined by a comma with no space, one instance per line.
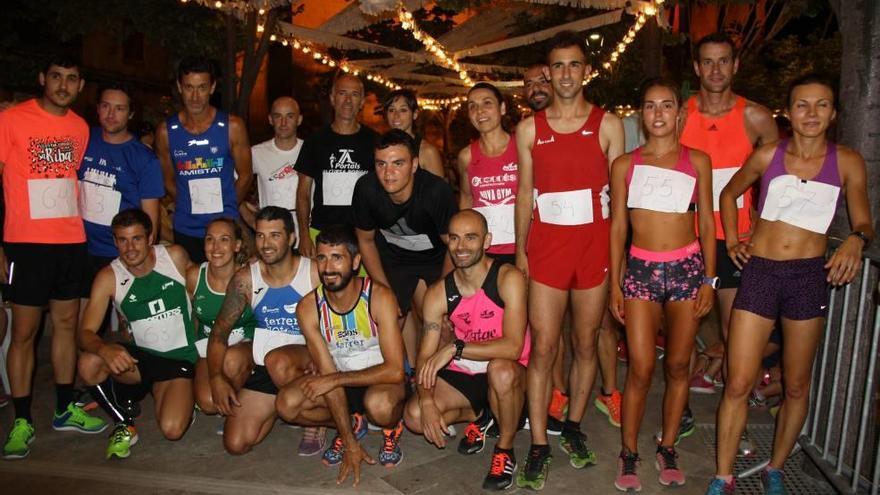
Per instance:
(344,280)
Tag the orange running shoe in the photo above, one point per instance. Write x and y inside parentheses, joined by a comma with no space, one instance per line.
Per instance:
(558,405)
(609,405)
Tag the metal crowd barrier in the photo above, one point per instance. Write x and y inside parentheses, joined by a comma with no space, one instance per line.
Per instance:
(842,432)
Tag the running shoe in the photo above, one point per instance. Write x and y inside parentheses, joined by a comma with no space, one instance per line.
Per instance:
(475,434)
(686,428)
(745,448)
(314,440)
(558,405)
(660,346)
(609,405)
(574,443)
(75,419)
(771,480)
(719,486)
(18,442)
(702,384)
(627,473)
(84,400)
(666,462)
(333,455)
(500,475)
(122,439)
(533,474)
(756,400)
(554,426)
(390,454)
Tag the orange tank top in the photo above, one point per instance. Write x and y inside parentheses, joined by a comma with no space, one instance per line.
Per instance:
(728,145)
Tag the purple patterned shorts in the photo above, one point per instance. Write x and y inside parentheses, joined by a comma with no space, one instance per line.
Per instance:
(666,281)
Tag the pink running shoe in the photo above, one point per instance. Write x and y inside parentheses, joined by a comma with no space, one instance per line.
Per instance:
(667,464)
(700,384)
(627,477)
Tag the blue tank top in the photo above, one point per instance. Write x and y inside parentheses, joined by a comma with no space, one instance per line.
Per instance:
(275,310)
(204,173)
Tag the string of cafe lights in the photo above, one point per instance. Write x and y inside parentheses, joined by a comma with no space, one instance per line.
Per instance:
(641,18)
(434,47)
(301,46)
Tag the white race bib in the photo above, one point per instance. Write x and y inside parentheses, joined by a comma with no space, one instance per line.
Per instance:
(206,196)
(266,341)
(98,203)
(720,178)
(566,208)
(338,187)
(235,337)
(475,367)
(659,189)
(500,220)
(416,242)
(806,204)
(357,362)
(52,198)
(160,334)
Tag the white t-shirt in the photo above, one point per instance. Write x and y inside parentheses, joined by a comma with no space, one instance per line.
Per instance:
(276,178)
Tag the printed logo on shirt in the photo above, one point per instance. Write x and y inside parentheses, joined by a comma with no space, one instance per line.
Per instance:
(488,180)
(546,141)
(200,166)
(198,142)
(510,167)
(282,173)
(465,317)
(480,335)
(343,161)
(53,155)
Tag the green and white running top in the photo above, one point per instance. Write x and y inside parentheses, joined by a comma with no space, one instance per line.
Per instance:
(157,308)
(206,305)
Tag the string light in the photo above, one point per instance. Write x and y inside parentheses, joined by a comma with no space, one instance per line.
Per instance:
(434,47)
(630,36)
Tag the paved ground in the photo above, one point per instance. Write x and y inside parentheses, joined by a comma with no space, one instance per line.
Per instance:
(65,462)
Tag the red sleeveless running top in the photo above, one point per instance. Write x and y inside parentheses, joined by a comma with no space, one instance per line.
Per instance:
(494,180)
(726,142)
(572,161)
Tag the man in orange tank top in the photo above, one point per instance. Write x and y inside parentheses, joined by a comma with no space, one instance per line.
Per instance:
(564,153)
(727,127)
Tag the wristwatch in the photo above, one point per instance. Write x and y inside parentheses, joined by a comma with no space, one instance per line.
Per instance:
(863,236)
(459,348)
(713,282)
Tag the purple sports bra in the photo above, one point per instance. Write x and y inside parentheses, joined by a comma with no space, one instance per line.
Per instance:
(828,174)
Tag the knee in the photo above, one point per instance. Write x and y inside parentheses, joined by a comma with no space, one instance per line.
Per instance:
(174,428)
(796,390)
(205,400)
(380,408)
(543,353)
(288,403)
(91,368)
(584,348)
(281,368)
(503,376)
(235,364)
(412,416)
(639,374)
(236,444)
(737,387)
(677,369)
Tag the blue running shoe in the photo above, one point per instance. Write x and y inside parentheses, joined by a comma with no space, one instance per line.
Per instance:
(771,480)
(719,486)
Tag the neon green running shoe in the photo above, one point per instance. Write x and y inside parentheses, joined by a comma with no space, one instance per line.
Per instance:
(533,474)
(18,442)
(76,419)
(121,441)
(574,444)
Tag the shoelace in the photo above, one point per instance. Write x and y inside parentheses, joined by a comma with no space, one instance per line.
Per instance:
(120,432)
(390,440)
(669,458)
(629,463)
(577,441)
(337,444)
(473,433)
(535,461)
(499,462)
(20,433)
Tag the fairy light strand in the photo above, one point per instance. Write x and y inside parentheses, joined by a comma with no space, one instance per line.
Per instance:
(434,47)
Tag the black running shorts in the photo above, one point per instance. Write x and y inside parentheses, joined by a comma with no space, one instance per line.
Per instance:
(44,272)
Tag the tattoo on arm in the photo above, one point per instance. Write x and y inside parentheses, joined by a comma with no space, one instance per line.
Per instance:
(237,297)
(431,327)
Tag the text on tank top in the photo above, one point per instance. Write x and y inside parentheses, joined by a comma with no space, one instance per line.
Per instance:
(494,181)
(352,337)
(728,145)
(478,318)
(661,189)
(570,173)
(275,309)
(206,306)
(806,203)
(204,174)
(157,308)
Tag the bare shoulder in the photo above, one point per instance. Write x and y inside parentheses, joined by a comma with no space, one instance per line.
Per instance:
(192,277)
(849,158)
(511,278)
(464,156)
(622,161)
(698,157)
(178,256)
(757,113)
(236,124)
(526,126)
(611,118)
(764,153)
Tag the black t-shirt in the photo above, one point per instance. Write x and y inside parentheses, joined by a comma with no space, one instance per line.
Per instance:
(408,232)
(335,162)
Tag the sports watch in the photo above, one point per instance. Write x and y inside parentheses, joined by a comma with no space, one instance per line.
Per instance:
(713,282)
(863,236)
(459,348)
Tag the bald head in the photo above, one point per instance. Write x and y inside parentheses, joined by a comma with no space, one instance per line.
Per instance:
(468,238)
(347,97)
(285,118)
(470,220)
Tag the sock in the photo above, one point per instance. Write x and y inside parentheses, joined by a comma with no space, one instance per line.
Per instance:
(22,407)
(63,396)
(103,396)
(728,478)
(571,426)
(540,449)
(504,451)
